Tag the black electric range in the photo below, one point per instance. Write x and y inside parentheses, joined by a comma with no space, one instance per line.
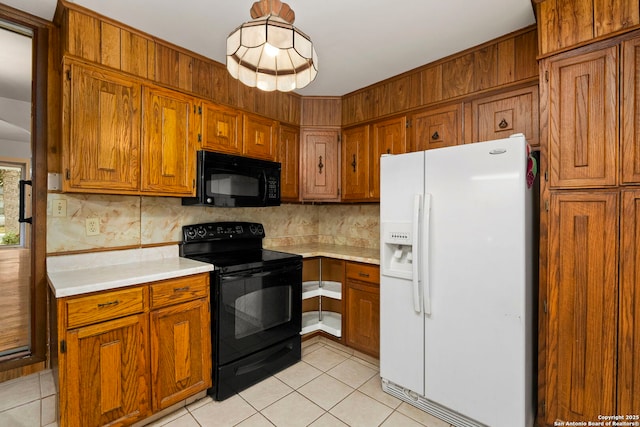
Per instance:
(256,303)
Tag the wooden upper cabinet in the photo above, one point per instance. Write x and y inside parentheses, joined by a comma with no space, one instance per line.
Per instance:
(101,131)
(583,119)
(259,137)
(389,137)
(435,127)
(289,158)
(107,380)
(630,112)
(355,163)
(221,129)
(320,165)
(629,310)
(582,306)
(168,157)
(500,116)
(563,24)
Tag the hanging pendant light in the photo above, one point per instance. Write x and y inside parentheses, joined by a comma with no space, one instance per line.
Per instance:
(269,53)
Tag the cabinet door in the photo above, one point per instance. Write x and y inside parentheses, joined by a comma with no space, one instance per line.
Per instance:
(259,137)
(389,137)
(582,306)
(630,118)
(583,119)
(289,158)
(221,127)
(629,311)
(180,352)
(355,163)
(500,116)
(168,157)
(363,317)
(107,380)
(436,128)
(101,131)
(363,307)
(320,179)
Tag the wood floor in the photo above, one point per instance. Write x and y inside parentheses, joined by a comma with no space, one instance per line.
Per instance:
(15,275)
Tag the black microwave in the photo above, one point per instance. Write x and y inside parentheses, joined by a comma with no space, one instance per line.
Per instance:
(234,181)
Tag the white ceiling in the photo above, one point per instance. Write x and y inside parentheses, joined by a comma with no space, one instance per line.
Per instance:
(359,42)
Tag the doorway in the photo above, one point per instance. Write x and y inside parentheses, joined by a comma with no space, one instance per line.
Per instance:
(23,167)
(15,257)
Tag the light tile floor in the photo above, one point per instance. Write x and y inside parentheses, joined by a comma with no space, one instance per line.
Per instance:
(331,386)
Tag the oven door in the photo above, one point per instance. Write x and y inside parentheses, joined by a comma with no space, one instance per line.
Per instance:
(257,308)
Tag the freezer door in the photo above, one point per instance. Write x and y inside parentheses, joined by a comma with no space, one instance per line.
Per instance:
(478,333)
(401,316)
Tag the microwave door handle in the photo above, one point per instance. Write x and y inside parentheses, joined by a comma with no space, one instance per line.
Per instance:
(265,194)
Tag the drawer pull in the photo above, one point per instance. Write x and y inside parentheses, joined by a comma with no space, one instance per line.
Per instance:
(361,274)
(182,289)
(107,304)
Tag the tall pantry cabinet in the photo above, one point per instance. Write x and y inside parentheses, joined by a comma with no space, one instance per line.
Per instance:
(590,232)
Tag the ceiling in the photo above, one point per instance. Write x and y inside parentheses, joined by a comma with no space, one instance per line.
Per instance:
(359,42)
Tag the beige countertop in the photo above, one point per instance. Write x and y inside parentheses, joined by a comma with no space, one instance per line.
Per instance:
(347,253)
(70,275)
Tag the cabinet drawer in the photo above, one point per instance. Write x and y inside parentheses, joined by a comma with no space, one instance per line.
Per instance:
(104,306)
(173,291)
(363,272)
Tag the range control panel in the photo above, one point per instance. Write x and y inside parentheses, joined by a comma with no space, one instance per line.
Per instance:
(222,231)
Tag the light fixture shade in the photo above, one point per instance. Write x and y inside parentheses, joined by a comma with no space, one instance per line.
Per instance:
(271,54)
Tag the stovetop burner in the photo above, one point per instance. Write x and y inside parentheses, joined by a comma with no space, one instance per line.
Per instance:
(229,246)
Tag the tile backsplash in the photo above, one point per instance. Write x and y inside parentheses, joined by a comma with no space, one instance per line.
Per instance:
(140,220)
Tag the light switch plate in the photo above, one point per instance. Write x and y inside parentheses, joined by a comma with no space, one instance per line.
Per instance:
(59,208)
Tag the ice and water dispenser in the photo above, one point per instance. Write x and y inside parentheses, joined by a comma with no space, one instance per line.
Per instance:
(398,250)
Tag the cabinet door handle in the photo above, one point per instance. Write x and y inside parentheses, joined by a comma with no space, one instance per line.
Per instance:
(388,150)
(107,304)
(503,124)
(435,136)
(183,289)
(353,164)
(320,165)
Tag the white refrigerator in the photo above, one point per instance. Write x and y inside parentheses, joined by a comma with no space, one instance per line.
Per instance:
(456,285)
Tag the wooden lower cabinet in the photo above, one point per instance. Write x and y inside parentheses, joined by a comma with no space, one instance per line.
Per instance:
(180,352)
(629,310)
(363,307)
(107,376)
(581,376)
(126,354)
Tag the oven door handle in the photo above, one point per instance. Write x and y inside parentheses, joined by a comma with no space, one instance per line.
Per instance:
(244,276)
(262,273)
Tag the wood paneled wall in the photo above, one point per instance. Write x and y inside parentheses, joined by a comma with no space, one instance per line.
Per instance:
(565,24)
(506,61)
(98,39)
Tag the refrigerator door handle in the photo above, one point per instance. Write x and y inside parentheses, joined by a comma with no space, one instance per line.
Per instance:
(424,243)
(417,210)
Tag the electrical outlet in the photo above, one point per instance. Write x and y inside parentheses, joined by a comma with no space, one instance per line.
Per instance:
(59,208)
(92,226)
